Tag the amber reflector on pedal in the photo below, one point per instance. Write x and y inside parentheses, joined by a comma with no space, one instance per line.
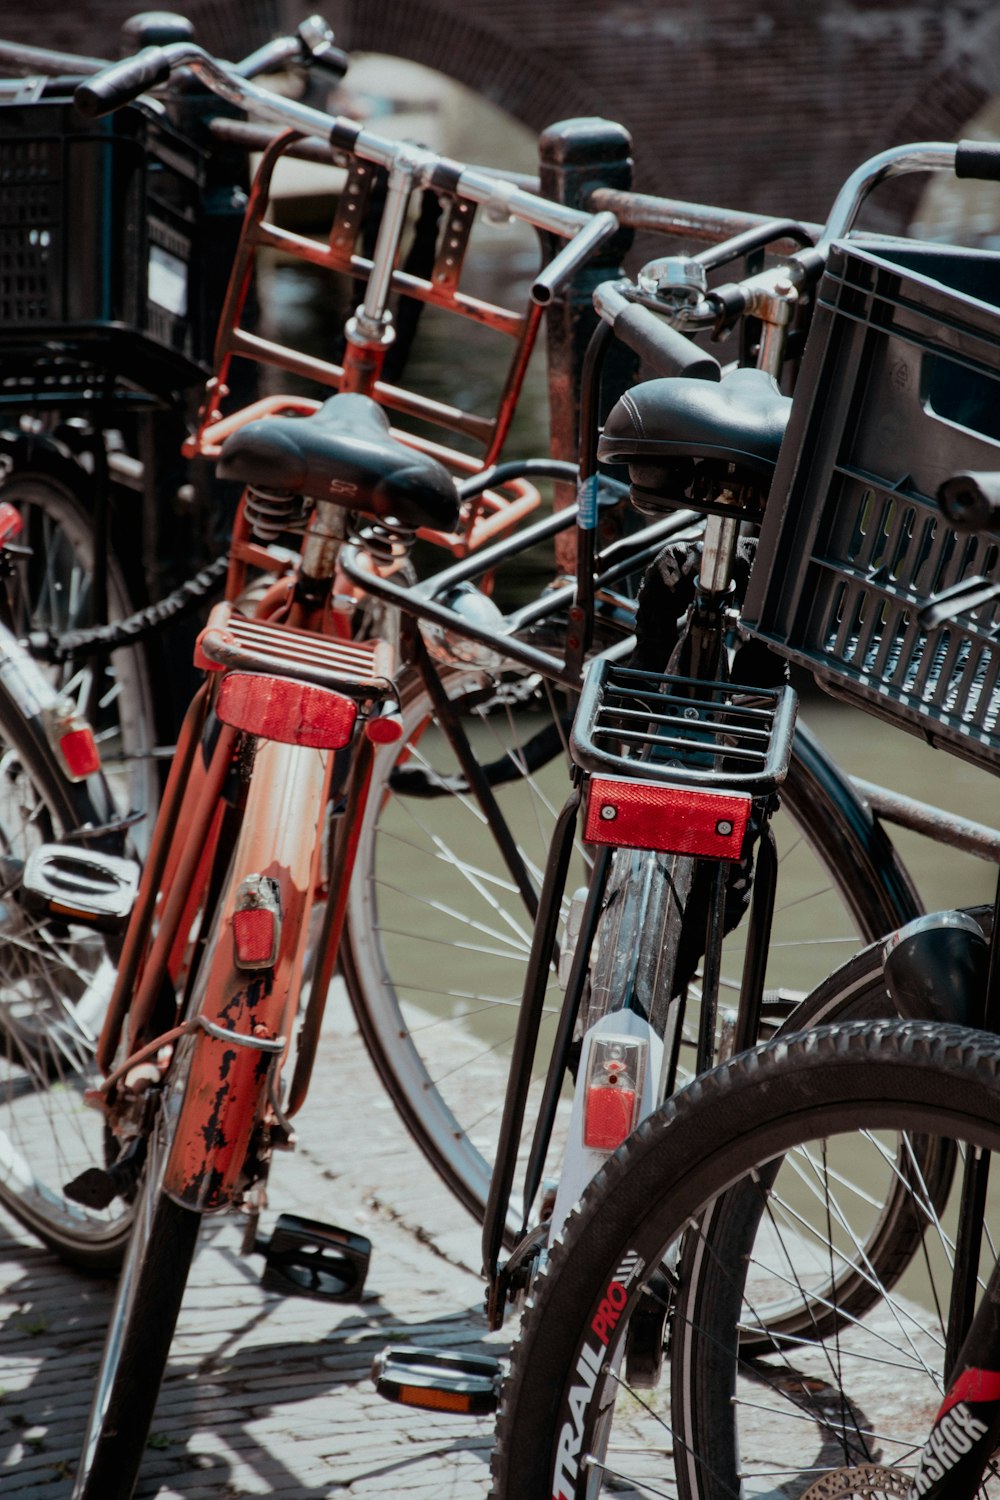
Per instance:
(422,1395)
(79,753)
(284,709)
(677,820)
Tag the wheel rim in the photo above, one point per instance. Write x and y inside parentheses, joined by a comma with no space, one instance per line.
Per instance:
(55,981)
(441,1036)
(814,1416)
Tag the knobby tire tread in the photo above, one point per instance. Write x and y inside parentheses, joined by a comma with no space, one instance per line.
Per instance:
(751,1108)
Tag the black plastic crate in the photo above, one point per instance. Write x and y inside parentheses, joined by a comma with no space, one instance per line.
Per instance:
(99,227)
(899,389)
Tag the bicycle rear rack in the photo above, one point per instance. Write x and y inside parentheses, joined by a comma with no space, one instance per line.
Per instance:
(358,669)
(660,728)
(675,764)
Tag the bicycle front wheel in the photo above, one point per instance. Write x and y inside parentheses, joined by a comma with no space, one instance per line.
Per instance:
(140,1331)
(438,934)
(752,1183)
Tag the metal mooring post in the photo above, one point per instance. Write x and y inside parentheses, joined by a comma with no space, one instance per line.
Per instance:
(575,157)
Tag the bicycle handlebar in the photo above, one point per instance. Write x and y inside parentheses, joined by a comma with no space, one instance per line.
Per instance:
(668,349)
(122,82)
(125,81)
(658,344)
(311,45)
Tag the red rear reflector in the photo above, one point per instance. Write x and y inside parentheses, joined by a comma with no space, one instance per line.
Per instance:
(10,522)
(608,1116)
(283,709)
(677,820)
(387,729)
(254,934)
(79,753)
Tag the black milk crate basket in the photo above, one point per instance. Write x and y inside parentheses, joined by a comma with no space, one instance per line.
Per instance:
(98,239)
(899,389)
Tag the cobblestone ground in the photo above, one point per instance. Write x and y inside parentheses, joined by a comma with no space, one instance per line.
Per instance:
(267,1395)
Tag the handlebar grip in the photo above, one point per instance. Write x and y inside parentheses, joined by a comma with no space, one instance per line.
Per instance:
(661,347)
(332,60)
(971,501)
(979,159)
(121,83)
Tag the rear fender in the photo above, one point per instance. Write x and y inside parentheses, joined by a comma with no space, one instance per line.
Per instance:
(248,1015)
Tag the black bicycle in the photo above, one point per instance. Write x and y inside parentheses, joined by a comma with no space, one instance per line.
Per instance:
(806,1231)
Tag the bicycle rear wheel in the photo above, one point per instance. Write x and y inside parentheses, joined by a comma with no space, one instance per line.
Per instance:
(52,590)
(438,935)
(55,981)
(741,1188)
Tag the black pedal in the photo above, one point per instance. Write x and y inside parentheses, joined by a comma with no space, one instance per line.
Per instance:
(438,1379)
(96,1187)
(82,885)
(307,1259)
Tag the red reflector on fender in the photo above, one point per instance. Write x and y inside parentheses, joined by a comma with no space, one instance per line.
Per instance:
(676,820)
(283,709)
(79,752)
(10,522)
(609,1113)
(254,937)
(386,729)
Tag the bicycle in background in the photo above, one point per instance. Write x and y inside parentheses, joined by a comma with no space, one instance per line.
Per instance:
(106,330)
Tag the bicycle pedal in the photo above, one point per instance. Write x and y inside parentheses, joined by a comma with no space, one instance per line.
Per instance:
(83,885)
(97,1187)
(304,1258)
(438,1379)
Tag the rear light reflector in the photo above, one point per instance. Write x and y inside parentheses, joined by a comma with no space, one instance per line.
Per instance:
(10,523)
(616,1067)
(677,820)
(286,710)
(256,923)
(79,752)
(385,729)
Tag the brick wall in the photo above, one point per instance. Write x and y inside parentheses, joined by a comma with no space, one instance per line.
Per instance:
(761,106)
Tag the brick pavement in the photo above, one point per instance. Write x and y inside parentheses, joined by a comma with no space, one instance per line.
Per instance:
(268,1395)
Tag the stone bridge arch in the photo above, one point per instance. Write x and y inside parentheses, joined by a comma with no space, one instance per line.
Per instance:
(756,104)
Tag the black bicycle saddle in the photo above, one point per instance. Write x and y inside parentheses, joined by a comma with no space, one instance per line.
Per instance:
(739,420)
(343,452)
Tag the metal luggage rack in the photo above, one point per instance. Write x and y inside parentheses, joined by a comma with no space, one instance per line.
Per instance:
(358,669)
(682,731)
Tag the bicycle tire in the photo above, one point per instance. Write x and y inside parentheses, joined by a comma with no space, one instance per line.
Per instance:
(137,1345)
(51,591)
(55,979)
(447,1081)
(814,1415)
